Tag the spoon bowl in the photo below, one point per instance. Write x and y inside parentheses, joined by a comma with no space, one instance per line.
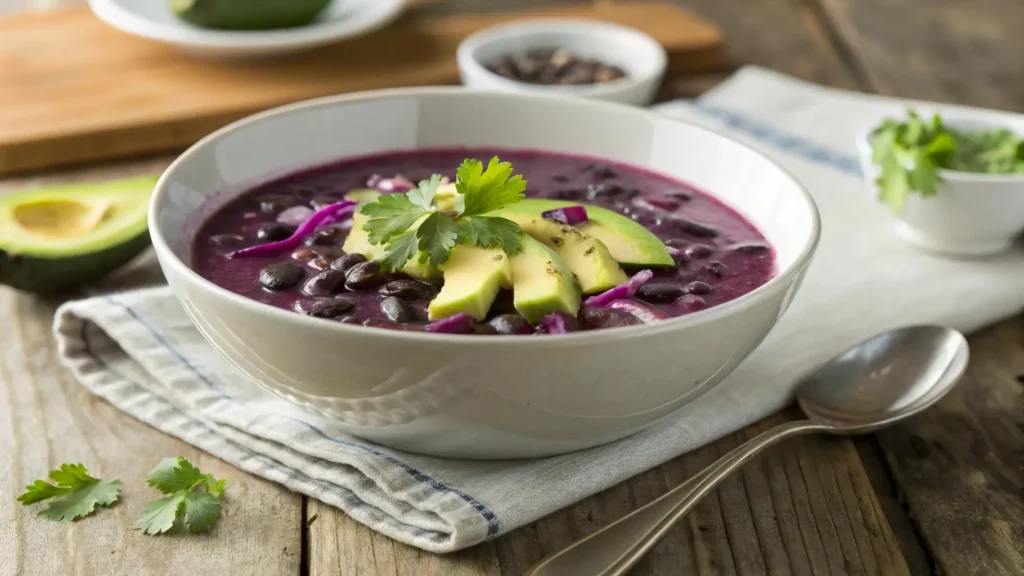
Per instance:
(886,378)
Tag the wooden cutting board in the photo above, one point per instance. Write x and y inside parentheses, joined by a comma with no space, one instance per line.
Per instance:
(73,90)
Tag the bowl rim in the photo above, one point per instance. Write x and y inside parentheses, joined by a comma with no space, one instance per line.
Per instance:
(116,16)
(951,118)
(466,53)
(168,258)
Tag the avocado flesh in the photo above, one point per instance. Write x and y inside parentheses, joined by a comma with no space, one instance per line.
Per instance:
(56,238)
(472,277)
(627,241)
(248,14)
(587,257)
(358,242)
(542,282)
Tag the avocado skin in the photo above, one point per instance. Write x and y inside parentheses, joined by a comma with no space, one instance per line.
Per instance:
(48,276)
(248,14)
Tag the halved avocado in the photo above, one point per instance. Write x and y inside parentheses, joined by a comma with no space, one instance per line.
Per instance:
(248,14)
(64,236)
(627,241)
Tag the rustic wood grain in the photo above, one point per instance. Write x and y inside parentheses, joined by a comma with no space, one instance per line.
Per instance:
(803,508)
(960,466)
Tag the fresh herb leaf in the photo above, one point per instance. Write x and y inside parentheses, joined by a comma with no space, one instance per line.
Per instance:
(390,215)
(75,493)
(423,196)
(400,250)
(487,190)
(490,232)
(192,496)
(437,235)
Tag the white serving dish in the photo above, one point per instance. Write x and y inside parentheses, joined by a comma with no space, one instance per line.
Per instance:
(642,57)
(480,396)
(970,214)
(154,20)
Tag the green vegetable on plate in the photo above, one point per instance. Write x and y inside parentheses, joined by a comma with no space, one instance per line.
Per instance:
(911,152)
(248,14)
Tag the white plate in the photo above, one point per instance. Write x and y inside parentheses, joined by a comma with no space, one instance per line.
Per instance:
(153,19)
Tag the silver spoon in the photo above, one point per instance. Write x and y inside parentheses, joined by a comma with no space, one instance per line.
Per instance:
(890,377)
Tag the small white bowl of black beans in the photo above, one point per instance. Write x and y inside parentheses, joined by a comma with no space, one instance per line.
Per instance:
(585,58)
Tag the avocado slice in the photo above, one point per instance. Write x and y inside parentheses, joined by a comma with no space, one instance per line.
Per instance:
(627,241)
(63,236)
(248,14)
(587,257)
(472,277)
(358,242)
(542,282)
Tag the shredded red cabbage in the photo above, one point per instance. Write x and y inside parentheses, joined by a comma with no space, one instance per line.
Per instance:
(645,313)
(457,324)
(570,215)
(554,323)
(389,185)
(327,215)
(625,290)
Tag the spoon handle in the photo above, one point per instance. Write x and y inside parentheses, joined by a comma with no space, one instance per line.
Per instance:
(614,549)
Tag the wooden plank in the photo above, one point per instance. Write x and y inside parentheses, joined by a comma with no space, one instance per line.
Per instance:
(116,95)
(804,508)
(964,52)
(959,465)
(47,418)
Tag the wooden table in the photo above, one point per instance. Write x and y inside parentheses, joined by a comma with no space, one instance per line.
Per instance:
(941,494)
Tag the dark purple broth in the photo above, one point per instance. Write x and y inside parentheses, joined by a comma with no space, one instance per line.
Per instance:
(730,271)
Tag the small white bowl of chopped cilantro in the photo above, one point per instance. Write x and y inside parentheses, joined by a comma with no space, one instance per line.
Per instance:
(954,183)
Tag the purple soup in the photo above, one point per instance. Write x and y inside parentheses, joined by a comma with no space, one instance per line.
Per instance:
(719,255)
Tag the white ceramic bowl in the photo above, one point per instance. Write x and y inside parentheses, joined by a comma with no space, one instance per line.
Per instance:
(154,20)
(970,214)
(642,58)
(473,396)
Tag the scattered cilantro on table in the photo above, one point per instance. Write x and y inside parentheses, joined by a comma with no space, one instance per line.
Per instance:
(73,495)
(910,154)
(480,191)
(191,496)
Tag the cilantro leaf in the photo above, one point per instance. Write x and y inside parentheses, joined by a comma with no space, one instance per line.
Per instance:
(400,250)
(75,494)
(484,191)
(192,496)
(437,236)
(390,215)
(490,232)
(423,196)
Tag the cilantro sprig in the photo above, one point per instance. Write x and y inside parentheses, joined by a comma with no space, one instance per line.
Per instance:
(191,496)
(413,222)
(73,495)
(910,154)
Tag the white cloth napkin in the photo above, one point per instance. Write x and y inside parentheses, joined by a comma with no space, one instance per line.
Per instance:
(138,350)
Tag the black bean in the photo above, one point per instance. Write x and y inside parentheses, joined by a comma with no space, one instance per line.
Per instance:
(600,171)
(396,310)
(691,227)
(751,248)
(604,190)
(331,307)
(319,263)
(364,275)
(644,217)
(716,268)
(510,324)
(691,303)
(698,251)
(226,240)
(274,232)
(304,254)
(406,289)
(329,252)
(607,318)
(660,292)
(281,276)
(347,261)
(328,236)
(697,287)
(324,283)
(570,194)
(274,203)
